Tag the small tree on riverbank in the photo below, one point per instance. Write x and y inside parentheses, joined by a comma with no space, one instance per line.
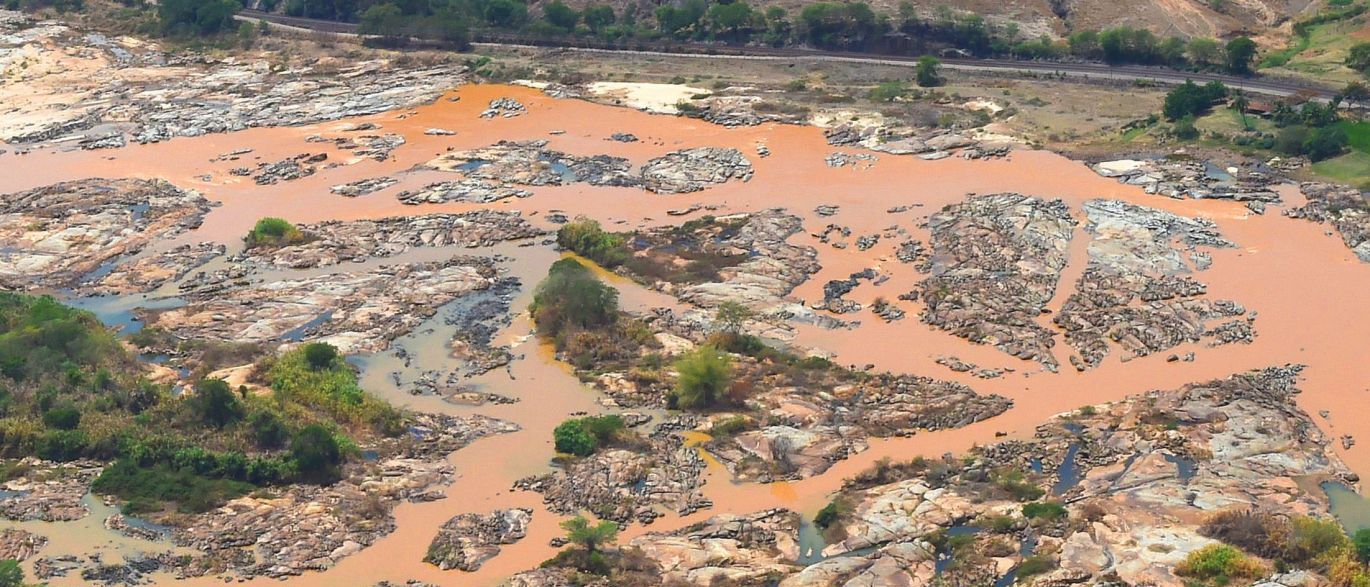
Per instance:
(929,72)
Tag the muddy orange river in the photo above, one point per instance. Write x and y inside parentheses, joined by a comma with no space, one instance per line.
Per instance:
(1305,286)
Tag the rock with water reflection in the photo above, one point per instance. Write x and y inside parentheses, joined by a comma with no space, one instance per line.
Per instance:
(1138,290)
(994,266)
(48,491)
(59,236)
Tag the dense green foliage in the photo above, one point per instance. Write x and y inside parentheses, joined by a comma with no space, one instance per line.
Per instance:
(196,17)
(704,376)
(1358,58)
(1218,564)
(69,390)
(584,237)
(1190,99)
(1044,510)
(11,574)
(273,232)
(583,436)
(591,537)
(571,298)
(928,73)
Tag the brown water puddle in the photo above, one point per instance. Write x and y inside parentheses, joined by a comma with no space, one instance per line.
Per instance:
(1306,287)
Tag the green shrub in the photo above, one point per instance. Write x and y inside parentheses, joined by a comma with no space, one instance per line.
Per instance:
(583,436)
(704,376)
(1045,510)
(1017,486)
(11,574)
(215,403)
(585,237)
(572,298)
(1219,564)
(145,488)
(320,355)
(1035,565)
(62,418)
(61,445)
(268,431)
(273,232)
(831,513)
(317,454)
(335,391)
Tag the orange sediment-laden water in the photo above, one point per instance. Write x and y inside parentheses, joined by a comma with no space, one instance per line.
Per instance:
(1305,286)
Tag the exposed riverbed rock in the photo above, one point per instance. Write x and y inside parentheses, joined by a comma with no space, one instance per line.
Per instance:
(1345,208)
(692,170)
(623,485)
(146,273)
(54,236)
(468,540)
(532,163)
(1137,290)
(745,259)
(20,545)
(363,187)
(104,91)
(357,311)
(993,268)
(1187,178)
(468,190)
(333,242)
(308,527)
(49,492)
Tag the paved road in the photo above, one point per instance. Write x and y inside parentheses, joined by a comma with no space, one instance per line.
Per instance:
(1135,73)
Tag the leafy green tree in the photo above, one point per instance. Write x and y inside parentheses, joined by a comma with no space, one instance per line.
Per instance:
(505,13)
(11,574)
(1241,53)
(66,417)
(1205,53)
(704,376)
(381,19)
(320,355)
(1327,142)
(1191,99)
(1240,104)
(731,21)
(571,437)
(591,537)
(268,431)
(586,238)
(571,297)
(1355,91)
(1358,57)
(317,454)
(732,315)
(928,73)
(275,232)
(599,17)
(560,15)
(214,403)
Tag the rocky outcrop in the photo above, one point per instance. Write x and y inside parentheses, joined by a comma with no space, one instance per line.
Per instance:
(111,91)
(469,190)
(731,549)
(745,259)
(20,545)
(1345,208)
(356,311)
(148,272)
(1183,177)
(627,484)
(1137,291)
(48,492)
(310,527)
(993,268)
(531,163)
(363,187)
(468,540)
(55,236)
(692,170)
(334,242)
